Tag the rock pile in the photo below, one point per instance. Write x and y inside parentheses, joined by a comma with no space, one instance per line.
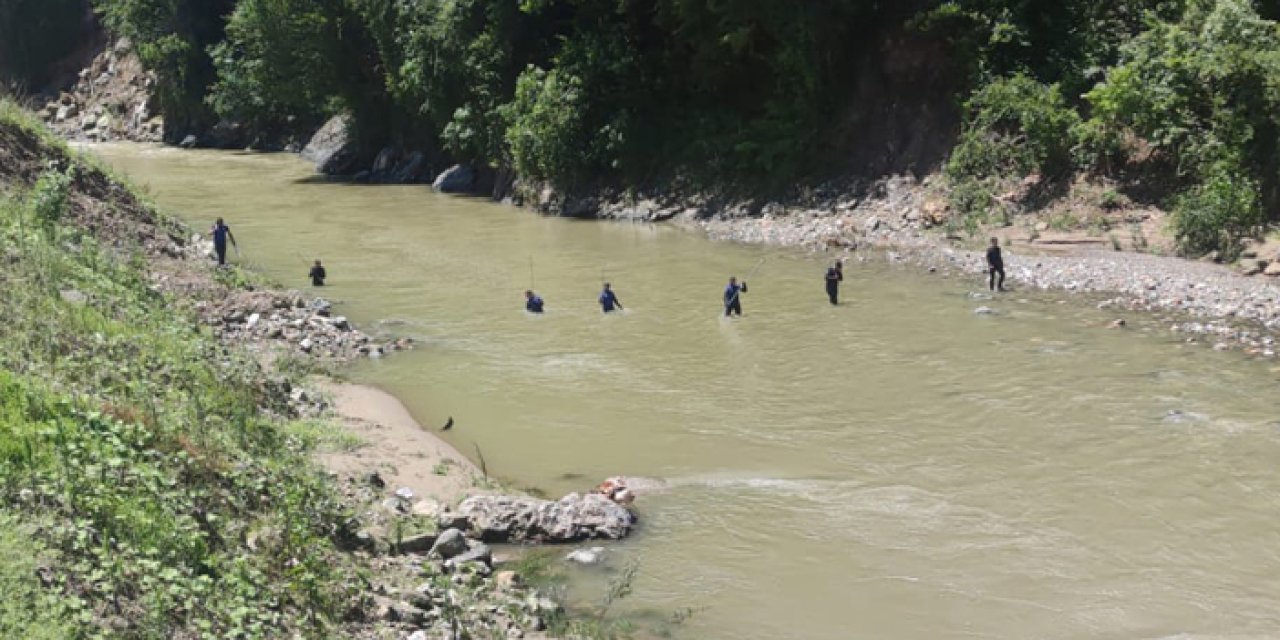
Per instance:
(111,101)
(307,326)
(454,587)
(573,518)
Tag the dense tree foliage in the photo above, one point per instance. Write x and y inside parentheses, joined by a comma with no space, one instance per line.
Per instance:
(628,92)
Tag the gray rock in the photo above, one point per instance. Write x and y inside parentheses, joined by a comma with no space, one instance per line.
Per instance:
(189,142)
(985,311)
(478,552)
(449,544)
(417,635)
(589,556)
(73,297)
(331,148)
(451,520)
(572,518)
(321,307)
(421,543)
(411,169)
(385,160)
(456,179)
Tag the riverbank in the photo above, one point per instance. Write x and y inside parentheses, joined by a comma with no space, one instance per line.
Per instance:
(902,222)
(204,391)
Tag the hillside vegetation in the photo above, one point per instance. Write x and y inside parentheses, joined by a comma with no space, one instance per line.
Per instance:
(1173,101)
(137,454)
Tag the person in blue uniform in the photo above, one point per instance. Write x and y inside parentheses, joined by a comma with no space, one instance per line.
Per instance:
(609,300)
(733,297)
(221,233)
(532,302)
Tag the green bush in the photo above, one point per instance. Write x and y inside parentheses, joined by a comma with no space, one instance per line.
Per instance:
(1015,126)
(1217,213)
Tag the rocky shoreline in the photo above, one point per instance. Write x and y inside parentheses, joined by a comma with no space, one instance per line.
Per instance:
(1199,301)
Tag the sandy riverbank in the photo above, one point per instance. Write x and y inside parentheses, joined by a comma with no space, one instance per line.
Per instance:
(396,447)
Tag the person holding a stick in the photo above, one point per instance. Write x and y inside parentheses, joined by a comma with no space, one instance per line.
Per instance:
(317,275)
(221,233)
(732,297)
(609,300)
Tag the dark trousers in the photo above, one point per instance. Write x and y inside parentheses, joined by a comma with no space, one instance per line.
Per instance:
(733,307)
(221,249)
(833,292)
(992,282)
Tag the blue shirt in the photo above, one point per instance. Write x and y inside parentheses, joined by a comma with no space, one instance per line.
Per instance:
(220,233)
(731,292)
(534,305)
(609,300)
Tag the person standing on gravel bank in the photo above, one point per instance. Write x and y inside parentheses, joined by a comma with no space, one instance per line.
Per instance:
(995,265)
(835,275)
(221,233)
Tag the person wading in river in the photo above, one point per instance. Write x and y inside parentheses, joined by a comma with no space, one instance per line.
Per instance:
(995,265)
(532,302)
(835,275)
(732,297)
(221,233)
(317,275)
(609,300)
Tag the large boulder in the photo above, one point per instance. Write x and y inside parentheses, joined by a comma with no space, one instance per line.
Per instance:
(572,518)
(332,148)
(459,178)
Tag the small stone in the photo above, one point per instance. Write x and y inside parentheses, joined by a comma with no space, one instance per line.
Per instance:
(306,345)
(1118,323)
(984,311)
(73,296)
(586,556)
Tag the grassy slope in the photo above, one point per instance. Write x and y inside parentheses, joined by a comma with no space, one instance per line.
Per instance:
(145,492)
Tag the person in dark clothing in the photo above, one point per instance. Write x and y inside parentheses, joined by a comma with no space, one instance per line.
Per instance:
(835,275)
(221,233)
(317,275)
(532,302)
(995,264)
(732,297)
(609,300)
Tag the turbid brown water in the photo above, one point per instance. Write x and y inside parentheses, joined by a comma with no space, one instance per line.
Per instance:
(895,467)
